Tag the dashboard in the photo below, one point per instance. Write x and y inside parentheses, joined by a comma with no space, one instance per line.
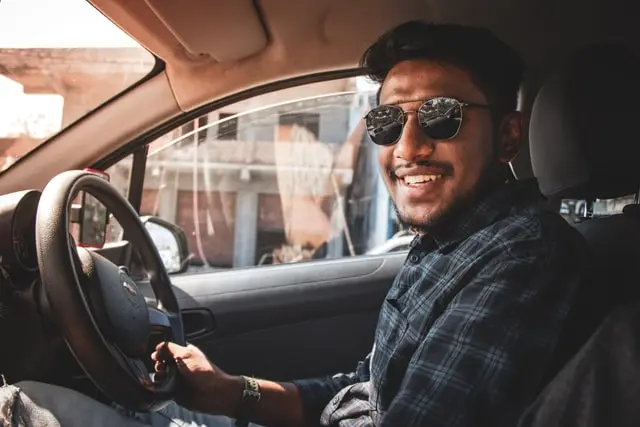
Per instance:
(33,346)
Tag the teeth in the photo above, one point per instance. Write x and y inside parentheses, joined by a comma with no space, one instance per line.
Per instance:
(418,179)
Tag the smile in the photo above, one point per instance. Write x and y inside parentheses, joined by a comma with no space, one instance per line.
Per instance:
(420,179)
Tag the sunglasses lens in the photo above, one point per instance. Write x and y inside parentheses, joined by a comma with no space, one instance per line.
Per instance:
(384,124)
(440,118)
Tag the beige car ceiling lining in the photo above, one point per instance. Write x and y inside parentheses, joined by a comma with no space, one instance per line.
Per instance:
(213,49)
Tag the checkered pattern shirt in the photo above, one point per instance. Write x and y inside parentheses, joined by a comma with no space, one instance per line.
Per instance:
(469,327)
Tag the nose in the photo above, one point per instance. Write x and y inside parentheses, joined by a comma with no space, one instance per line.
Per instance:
(413,143)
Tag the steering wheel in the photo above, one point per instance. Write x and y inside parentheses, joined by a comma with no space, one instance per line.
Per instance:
(104,317)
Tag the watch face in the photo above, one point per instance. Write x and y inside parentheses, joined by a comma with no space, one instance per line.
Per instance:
(251,384)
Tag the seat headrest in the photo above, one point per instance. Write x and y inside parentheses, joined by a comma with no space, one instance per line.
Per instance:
(585,126)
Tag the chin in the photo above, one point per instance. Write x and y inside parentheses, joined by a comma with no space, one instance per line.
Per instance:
(420,219)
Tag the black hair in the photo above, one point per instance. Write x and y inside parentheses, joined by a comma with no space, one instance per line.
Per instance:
(494,67)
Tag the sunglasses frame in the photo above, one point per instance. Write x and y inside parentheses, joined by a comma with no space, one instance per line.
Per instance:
(403,115)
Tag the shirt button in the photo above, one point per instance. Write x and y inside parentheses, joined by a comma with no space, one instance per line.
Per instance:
(414,259)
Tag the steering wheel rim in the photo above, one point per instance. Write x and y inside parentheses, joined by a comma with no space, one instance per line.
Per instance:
(98,308)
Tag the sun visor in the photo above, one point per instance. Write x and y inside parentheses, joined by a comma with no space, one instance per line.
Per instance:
(225,30)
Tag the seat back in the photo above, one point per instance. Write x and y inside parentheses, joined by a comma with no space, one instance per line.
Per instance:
(600,386)
(584,145)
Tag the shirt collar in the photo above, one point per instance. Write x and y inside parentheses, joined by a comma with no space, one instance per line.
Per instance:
(497,203)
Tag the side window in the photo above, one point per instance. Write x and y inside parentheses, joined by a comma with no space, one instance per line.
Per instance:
(283,177)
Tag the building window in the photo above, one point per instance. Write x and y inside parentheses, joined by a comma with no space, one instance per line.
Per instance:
(309,121)
(186,129)
(228,126)
(202,128)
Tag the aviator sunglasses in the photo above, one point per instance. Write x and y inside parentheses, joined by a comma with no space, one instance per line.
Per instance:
(439,118)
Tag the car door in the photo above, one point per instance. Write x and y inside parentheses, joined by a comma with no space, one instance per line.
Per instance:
(279,196)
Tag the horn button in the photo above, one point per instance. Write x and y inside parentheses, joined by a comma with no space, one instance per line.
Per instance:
(117,304)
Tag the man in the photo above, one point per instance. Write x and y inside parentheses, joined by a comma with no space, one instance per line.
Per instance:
(470,327)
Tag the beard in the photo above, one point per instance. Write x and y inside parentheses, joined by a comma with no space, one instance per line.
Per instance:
(493,176)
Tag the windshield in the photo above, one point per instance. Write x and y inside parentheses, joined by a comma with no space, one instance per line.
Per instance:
(58,60)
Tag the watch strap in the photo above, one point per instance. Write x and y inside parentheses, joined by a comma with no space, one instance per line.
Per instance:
(249,400)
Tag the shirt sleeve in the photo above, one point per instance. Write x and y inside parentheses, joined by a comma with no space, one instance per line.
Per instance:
(483,358)
(316,393)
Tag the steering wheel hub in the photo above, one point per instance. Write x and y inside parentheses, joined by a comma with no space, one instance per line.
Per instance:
(117,305)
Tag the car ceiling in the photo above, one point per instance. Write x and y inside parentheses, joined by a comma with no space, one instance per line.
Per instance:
(249,43)
(215,49)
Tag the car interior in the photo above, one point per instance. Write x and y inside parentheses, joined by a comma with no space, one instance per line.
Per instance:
(568,125)
(63,311)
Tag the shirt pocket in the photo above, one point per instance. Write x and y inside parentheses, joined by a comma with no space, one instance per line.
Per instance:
(388,362)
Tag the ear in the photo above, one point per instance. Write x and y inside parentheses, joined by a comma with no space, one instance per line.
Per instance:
(510,134)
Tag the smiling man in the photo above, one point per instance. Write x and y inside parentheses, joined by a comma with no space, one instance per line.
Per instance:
(470,328)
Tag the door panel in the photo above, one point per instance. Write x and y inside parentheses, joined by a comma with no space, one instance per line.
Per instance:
(290,321)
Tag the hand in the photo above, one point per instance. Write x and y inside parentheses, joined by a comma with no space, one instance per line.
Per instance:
(202,386)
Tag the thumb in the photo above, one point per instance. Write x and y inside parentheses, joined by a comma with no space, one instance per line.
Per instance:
(177,350)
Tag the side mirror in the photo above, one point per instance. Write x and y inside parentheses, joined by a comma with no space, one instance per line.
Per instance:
(171,242)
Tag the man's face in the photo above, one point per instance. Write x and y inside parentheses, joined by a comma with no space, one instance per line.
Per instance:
(460,164)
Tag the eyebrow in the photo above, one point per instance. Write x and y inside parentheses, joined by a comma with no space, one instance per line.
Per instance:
(421,100)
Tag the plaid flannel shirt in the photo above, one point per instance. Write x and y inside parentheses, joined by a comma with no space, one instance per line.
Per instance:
(468,329)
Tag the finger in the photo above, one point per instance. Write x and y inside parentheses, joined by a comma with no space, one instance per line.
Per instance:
(161,353)
(174,351)
(160,367)
(182,366)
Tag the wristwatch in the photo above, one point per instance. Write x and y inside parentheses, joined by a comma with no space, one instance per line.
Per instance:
(247,406)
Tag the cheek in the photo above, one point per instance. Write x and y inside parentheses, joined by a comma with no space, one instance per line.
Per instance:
(473,162)
(470,156)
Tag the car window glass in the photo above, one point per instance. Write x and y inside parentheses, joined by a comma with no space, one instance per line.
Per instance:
(119,176)
(575,210)
(58,61)
(286,176)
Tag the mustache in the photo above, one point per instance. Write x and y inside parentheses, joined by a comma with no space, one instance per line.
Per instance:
(445,167)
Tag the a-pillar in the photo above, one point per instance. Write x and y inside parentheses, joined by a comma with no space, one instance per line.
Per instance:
(79,100)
